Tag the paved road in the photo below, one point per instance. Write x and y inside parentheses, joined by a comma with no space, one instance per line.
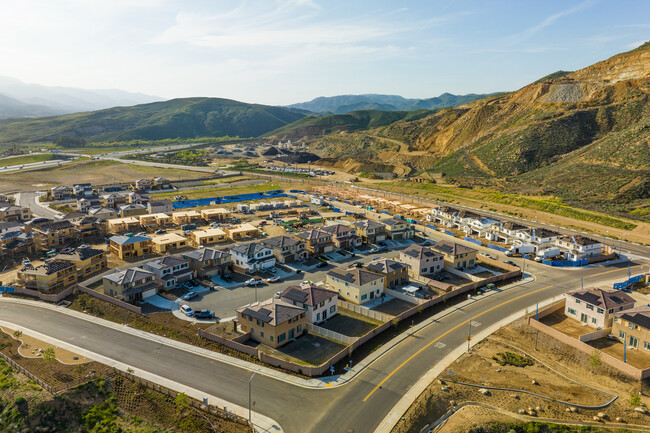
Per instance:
(28,199)
(358,406)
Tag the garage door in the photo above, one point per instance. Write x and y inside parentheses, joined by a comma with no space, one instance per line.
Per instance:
(148,293)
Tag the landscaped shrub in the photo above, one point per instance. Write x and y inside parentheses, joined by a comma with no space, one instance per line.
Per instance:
(509,358)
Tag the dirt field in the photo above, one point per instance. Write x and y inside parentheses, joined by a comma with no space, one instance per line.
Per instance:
(480,369)
(95,172)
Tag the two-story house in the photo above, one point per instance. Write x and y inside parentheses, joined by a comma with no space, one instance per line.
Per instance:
(113,200)
(370,231)
(208,262)
(88,261)
(632,326)
(456,255)
(319,302)
(344,237)
(539,237)
(286,249)
(579,247)
(82,190)
(397,229)
(358,286)
(102,212)
(272,322)
(507,232)
(53,234)
(60,192)
(317,241)
(52,276)
(127,210)
(596,307)
(84,204)
(126,247)
(252,257)
(131,285)
(138,197)
(395,273)
(170,270)
(11,212)
(422,261)
(168,242)
(160,206)
(143,184)
(161,183)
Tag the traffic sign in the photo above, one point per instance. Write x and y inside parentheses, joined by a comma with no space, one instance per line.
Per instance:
(469,338)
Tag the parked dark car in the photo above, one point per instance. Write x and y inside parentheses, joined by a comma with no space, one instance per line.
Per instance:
(204,314)
(321,265)
(511,263)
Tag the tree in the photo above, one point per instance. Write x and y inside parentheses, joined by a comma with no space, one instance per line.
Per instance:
(634,400)
(182,401)
(49,355)
(68,141)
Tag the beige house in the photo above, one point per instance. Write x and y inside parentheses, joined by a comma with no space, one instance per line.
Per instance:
(395,273)
(126,247)
(10,212)
(52,276)
(120,225)
(456,255)
(168,242)
(242,232)
(129,210)
(272,322)
(397,228)
(143,184)
(596,307)
(217,214)
(185,217)
(208,236)
(355,285)
(422,261)
(155,220)
(632,326)
(88,261)
(208,262)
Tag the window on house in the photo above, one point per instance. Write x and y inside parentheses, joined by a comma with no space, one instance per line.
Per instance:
(577,301)
(363,297)
(594,320)
(590,307)
(271,338)
(281,338)
(646,345)
(615,319)
(621,334)
(262,334)
(600,310)
(572,311)
(332,309)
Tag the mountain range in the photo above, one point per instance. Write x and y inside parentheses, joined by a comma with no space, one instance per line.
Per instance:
(342,104)
(19,99)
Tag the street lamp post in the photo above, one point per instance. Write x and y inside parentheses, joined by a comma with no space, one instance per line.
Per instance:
(250,416)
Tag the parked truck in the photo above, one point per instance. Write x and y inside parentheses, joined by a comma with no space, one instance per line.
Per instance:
(521,249)
(547,254)
(187,227)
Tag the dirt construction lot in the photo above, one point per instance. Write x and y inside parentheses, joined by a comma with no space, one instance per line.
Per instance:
(95,172)
(573,371)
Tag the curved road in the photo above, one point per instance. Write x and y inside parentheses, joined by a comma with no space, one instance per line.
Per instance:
(358,406)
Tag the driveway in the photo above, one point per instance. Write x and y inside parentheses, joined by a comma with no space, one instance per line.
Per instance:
(160,302)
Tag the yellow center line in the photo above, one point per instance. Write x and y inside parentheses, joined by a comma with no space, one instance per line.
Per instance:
(441,336)
(614,270)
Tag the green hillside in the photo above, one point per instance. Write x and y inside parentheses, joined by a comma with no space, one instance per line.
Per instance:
(353,121)
(177,118)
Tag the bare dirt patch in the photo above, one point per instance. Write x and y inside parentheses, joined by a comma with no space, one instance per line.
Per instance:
(32,348)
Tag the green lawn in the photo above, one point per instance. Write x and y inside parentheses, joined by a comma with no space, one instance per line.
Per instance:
(25,159)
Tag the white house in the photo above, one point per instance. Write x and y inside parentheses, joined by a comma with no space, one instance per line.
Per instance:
(579,247)
(170,270)
(595,307)
(540,237)
(320,303)
(252,257)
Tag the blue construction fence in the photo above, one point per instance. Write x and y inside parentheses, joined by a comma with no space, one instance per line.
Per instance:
(628,283)
(230,199)
(497,248)
(472,240)
(386,212)
(449,233)
(565,263)
(431,226)
(335,209)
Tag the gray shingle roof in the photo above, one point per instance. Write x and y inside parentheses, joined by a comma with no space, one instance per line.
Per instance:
(419,252)
(205,254)
(280,241)
(452,248)
(385,266)
(356,276)
(129,276)
(308,294)
(638,315)
(602,298)
(368,224)
(48,268)
(125,240)
(272,311)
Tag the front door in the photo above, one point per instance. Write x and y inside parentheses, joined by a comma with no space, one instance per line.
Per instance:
(291,335)
(372,295)
(324,314)
(583,317)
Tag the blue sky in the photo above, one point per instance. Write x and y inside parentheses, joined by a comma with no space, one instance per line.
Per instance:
(280,52)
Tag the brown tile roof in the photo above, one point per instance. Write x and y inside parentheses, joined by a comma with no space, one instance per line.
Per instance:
(272,311)
(356,276)
(308,294)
